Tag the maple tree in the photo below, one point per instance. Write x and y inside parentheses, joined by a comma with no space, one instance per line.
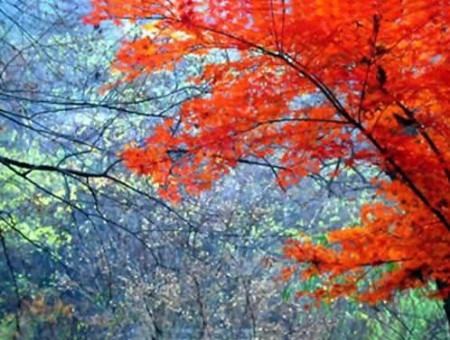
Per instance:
(303,82)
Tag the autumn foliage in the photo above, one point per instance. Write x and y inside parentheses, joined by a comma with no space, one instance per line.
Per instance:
(302,82)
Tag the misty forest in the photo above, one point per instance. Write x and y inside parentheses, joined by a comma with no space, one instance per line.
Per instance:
(224,169)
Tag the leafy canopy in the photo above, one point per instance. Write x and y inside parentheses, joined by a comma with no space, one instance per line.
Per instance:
(302,82)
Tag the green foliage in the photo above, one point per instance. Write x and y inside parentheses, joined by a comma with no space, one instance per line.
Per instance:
(412,316)
(8,327)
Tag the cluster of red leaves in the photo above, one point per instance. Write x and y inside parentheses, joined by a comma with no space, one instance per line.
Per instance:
(375,78)
(415,252)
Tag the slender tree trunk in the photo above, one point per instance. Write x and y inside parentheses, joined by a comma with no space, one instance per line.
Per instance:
(441,285)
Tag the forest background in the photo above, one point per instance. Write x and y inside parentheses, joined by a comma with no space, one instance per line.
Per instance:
(91,250)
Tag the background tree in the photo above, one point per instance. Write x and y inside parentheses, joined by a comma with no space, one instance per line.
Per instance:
(90,250)
(300,84)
